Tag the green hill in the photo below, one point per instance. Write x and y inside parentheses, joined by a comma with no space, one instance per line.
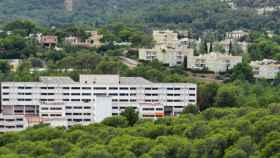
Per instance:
(198,15)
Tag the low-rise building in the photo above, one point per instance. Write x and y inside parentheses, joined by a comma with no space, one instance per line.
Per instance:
(236,35)
(93,41)
(168,48)
(60,101)
(49,41)
(215,62)
(267,69)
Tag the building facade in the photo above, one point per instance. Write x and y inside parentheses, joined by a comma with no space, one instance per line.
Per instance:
(266,69)
(215,62)
(60,101)
(168,48)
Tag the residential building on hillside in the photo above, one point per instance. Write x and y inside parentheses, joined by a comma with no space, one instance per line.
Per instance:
(168,48)
(227,42)
(60,101)
(236,35)
(93,41)
(215,62)
(267,68)
(48,41)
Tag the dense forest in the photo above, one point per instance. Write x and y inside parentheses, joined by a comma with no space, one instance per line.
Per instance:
(213,133)
(198,15)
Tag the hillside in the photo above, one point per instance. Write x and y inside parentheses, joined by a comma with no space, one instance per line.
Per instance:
(198,15)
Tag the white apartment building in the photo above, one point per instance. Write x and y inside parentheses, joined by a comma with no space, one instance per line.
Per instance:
(267,69)
(236,35)
(60,101)
(215,62)
(168,48)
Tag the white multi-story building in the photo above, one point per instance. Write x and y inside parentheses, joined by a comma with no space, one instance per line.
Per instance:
(267,69)
(236,35)
(215,62)
(168,48)
(60,101)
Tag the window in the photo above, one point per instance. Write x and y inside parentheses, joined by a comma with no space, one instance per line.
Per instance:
(148,109)
(113,94)
(177,89)
(6,99)
(45,115)
(100,88)
(6,93)
(65,99)
(113,88)
(43,88)
(68,114)
(75,94)
(78,107)
(132,100)
(191,88)
(65,88)
(6,87)
(100,94)
(147,88)
(87,107)
(75,100)
(192,95)
(124,94)
(132,94)
(169,88)
(66,93)
(159,109)
(123,88)
(154,88)
(86,100)
(20,87)
(68,107)
(75,88)
(133,88)
(86,94)
(44,108)
(123,100)
(86,88)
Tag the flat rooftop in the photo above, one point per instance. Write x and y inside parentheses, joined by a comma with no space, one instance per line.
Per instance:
(56,80)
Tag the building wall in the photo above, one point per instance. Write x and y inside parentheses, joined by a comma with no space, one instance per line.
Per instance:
(213,62)
(80,103)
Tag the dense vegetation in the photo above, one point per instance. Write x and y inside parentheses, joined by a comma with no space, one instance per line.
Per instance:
(198,15)
(214,133)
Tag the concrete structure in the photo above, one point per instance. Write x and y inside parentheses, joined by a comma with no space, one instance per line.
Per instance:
(12,123)
(215,62)
(48,41)
(227,42)
(168,48)
(236,35)
(267,69)
(93,41)
(60,101)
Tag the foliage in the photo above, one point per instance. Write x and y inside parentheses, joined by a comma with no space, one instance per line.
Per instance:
(213,133)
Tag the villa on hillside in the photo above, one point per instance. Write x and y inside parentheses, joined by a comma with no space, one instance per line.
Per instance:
(267,68)
(215,62)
